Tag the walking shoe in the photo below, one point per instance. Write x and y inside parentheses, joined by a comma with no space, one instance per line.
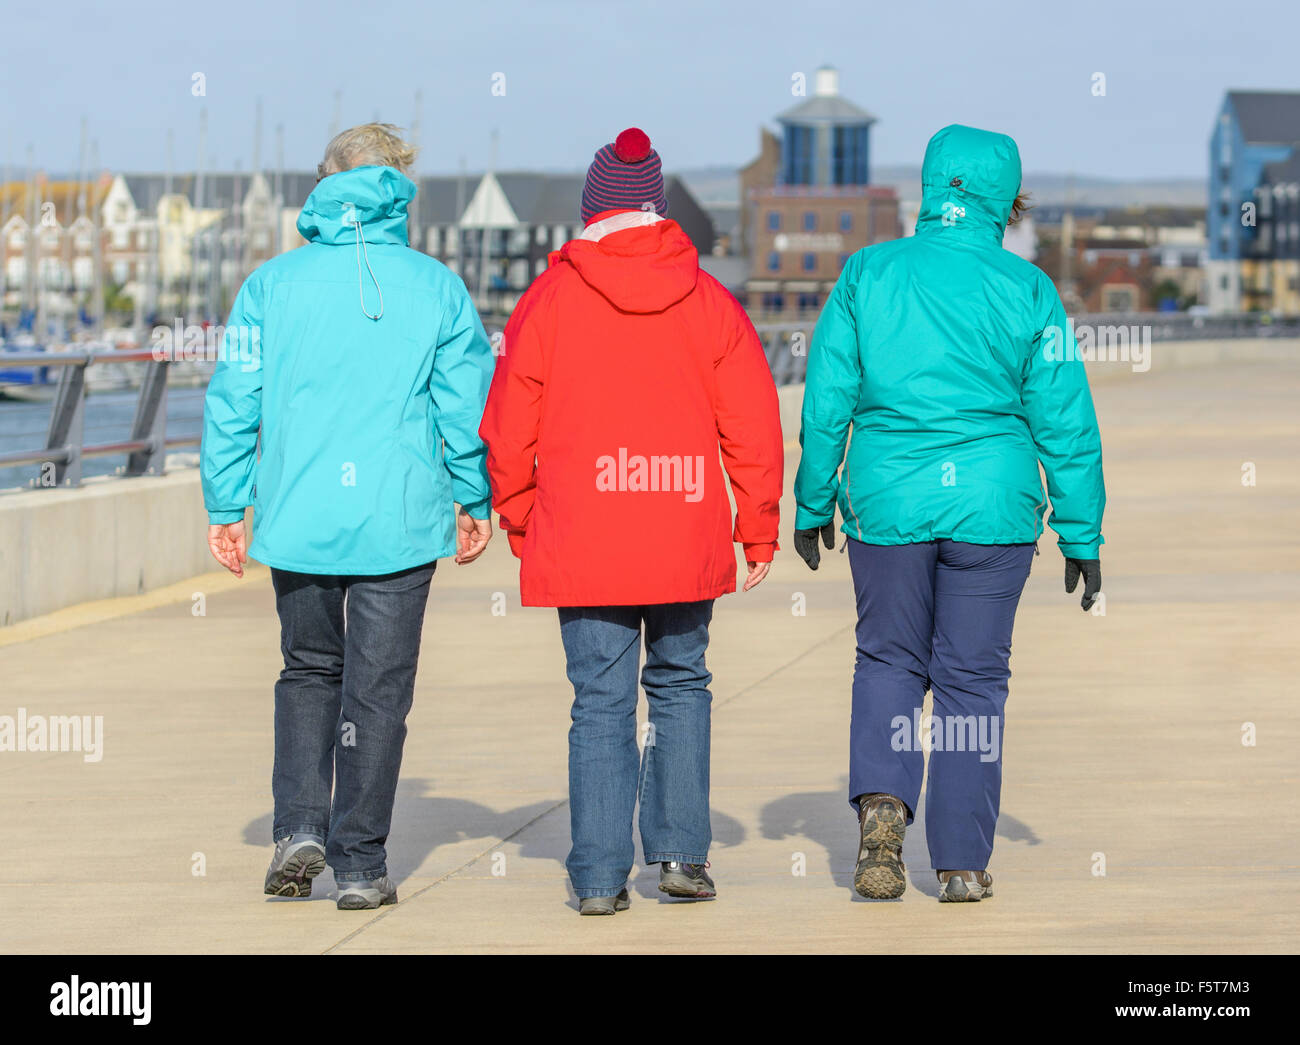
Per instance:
(297,860)
(604,904)
(686,880)
(964,886)
(880,874)
(367,894)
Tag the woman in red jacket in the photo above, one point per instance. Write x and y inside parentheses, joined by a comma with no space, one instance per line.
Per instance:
(624,371)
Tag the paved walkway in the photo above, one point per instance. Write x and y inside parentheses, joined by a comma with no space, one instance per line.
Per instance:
(1124,743)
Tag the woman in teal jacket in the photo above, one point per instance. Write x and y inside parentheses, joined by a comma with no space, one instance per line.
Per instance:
(951,362)
(363,368)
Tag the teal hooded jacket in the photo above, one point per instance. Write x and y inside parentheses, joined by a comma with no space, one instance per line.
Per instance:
(364,367)
(946,365)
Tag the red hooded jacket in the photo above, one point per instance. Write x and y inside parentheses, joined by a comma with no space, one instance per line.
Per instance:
(624,370)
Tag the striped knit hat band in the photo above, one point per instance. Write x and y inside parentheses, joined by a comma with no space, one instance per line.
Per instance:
(625,175)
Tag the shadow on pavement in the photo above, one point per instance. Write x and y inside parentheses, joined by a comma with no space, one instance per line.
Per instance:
(826,819)
(424,823)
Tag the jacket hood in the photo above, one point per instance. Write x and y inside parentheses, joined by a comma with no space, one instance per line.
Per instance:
(643,269)
(969,180)
(377,197)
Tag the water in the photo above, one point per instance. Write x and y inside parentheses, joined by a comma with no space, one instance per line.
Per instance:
(108,418)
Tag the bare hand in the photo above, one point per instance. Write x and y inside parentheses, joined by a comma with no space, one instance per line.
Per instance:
(472,536)
(757,571)
(229,546)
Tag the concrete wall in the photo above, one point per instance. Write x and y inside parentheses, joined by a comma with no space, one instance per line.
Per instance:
(1163,356)
(108,538)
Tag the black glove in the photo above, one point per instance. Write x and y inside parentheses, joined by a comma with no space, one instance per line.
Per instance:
(1091,570)
(805,543)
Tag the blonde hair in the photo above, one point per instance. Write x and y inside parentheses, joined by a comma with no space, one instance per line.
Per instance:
(367,145)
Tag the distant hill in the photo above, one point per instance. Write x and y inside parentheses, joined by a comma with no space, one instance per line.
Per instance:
(721,186)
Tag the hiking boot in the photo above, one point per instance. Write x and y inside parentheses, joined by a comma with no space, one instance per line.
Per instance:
(604,904)
(367,894)
(297,860)
(690,881)
(964,886)
(880,874)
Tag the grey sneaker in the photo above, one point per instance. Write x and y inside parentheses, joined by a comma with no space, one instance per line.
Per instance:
(880,874)
(691,881)
(367,894)
(297,860)
(964,886)
(604,904)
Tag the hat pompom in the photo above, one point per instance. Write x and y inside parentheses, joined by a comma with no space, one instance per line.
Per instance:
(632,146)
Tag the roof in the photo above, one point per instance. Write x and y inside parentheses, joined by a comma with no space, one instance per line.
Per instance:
(1267,116)
(543,199)
(1283,172)
(437,195)
(441,200)
(218,188)
(826,108)
(65,195)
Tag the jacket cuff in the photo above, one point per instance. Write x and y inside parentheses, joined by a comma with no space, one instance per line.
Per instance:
(760,552)
(225,518)
(1081,551)
(804,519)
(479,509)
(516,540)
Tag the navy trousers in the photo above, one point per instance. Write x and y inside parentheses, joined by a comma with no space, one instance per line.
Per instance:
(936,615)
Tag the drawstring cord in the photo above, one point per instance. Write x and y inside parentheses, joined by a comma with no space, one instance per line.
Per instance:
(361,283)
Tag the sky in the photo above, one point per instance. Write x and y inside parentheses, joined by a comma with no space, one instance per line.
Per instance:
(556,79)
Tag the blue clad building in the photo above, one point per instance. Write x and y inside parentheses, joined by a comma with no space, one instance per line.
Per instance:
(1255,136)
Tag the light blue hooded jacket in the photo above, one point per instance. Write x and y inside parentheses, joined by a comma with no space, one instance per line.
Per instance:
(364,367)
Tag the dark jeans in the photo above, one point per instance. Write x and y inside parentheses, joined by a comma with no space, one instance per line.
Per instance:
(603,646)
(350,649)
(936,615)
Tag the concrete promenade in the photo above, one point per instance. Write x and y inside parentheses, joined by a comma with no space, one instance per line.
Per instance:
(1124,745)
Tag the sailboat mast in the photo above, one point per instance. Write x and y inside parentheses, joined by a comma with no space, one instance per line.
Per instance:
(195,246)
(485,252)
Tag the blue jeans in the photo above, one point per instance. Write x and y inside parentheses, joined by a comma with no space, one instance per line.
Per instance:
(350,648)
(936,615)
(603,645)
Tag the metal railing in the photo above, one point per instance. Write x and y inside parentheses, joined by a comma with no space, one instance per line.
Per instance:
(60,459)
(785,345)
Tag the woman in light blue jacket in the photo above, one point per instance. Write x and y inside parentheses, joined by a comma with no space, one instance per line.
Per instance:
(363,368)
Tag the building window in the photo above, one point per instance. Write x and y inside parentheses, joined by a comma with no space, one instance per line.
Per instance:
(797,156)
(844,260)
(540,267)
(773,302)
(774,262)
(809,221)
(774,221)
(541,235)
(809,262)
(846,221)
(809,302)
(849,156)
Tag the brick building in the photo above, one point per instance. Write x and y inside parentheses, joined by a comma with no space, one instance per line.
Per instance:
(808,203)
